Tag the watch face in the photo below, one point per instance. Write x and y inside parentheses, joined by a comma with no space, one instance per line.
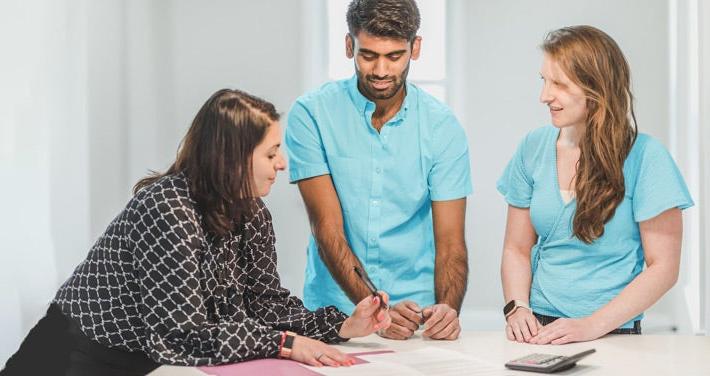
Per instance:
(289,341)
(508,307)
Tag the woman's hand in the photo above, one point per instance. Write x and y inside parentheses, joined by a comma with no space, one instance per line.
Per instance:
(316,353)
(522,326)
(565,330)
(367,317)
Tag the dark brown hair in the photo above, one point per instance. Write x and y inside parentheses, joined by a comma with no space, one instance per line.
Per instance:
(593,61)
(216,157)
(384,18)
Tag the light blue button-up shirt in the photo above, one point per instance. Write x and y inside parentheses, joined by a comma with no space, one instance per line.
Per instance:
(571,278)
(385,182)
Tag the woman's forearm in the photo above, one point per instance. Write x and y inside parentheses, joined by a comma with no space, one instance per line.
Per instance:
(516,275)
(637,296)
(662,239)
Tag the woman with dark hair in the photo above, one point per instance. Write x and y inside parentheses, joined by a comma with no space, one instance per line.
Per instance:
(186,273)
(590,201)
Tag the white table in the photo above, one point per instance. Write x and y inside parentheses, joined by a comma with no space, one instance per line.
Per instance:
(616,354)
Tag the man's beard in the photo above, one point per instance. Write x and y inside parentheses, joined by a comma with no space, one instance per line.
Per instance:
(365,84)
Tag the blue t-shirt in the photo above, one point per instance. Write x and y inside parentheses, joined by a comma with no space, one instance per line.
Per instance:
(385,182)
(571,278)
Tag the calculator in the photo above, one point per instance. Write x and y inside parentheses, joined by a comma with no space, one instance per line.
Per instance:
(546,363)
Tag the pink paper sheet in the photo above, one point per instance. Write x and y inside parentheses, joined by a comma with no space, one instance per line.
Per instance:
(273,367)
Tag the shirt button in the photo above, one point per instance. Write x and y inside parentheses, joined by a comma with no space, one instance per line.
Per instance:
(375,202)
(378,170)
(372,241)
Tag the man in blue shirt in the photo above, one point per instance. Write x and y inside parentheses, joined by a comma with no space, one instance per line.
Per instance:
(383,170)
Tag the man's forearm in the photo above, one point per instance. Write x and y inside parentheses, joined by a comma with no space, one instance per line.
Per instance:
(451,263)
(451,276)
(336,254)
(326,220)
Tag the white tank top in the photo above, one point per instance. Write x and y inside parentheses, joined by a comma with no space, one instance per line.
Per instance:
(567,195)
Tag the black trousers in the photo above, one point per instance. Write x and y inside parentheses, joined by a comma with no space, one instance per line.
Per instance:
(544,320)
(56,346)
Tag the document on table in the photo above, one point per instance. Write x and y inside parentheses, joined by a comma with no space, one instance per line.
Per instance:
(424,361)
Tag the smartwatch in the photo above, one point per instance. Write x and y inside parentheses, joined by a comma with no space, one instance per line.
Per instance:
(513,306)
(287,344)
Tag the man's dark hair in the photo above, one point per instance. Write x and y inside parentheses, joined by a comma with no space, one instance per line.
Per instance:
(384,18)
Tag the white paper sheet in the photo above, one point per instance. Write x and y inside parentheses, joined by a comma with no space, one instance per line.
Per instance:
(424,361)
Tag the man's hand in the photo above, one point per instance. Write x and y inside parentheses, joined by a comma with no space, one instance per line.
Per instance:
(441,322)
(406,317)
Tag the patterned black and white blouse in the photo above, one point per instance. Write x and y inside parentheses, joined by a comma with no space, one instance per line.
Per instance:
(155,282)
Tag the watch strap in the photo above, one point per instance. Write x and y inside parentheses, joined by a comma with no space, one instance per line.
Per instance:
(513,306)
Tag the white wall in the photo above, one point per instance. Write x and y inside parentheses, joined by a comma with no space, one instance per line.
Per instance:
(689,77)
(43,156)
(704,141)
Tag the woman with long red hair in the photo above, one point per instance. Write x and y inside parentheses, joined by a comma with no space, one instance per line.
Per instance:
(591,201)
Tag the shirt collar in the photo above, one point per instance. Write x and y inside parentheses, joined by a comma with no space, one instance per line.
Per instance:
(365,105)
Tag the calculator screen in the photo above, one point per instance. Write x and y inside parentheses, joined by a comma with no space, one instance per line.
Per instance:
(538,360)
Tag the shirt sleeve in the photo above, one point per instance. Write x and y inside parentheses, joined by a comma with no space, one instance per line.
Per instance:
(273,304)
(166,238)
(304,145)
(515,184)
(450,175)
(659,184)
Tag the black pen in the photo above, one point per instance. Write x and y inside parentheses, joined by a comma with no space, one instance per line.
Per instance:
(370,286)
